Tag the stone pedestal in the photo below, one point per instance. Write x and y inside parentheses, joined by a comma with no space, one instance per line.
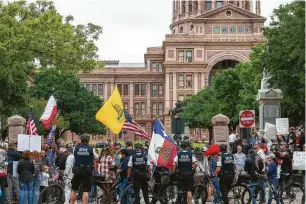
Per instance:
(167,123)
(16,125)
(220,129)
(269,104)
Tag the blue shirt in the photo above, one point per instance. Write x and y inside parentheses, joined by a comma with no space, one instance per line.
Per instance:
(124,167)
(239,160)
(272,171)
(213,165)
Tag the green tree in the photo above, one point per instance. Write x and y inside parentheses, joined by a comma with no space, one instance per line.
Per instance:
(35,35)
(77,106)
(200,108)
(285,60)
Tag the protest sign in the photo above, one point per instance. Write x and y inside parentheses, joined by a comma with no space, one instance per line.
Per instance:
(270,131)
(28,142)
(282,126)
(299,160)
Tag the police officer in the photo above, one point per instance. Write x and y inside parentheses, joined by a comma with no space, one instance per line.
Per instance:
(139,170)
(83,166)
(225,171)
(184,163)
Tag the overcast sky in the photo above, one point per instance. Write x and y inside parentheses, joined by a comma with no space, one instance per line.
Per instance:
(130,26)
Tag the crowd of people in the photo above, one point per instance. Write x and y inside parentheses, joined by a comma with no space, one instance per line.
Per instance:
(77,163)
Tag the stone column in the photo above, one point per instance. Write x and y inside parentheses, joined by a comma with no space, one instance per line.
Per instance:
(258,7)
(220,129)
(105,92)
(251,5)
(178,7)
(148,93)
(131,98)
(167,94)
(202,80)
(112,87)
(148,65)
(16,125)
(195,82)
(199,7)
(173,8)
(174,89)
(213,4)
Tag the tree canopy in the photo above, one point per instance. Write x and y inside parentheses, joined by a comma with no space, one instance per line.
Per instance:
(77,106)
(35,36)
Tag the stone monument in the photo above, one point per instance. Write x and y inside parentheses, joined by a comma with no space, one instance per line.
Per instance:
(269,103)
(220,129)
(16,125)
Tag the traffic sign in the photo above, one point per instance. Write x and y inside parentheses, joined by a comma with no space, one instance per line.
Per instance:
(247,119)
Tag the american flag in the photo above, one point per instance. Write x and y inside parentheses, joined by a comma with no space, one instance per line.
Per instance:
(31,128)
(130,124)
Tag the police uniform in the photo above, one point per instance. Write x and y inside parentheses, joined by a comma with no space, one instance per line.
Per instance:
(184,161)
(83,166)
(226,175)
(139,164)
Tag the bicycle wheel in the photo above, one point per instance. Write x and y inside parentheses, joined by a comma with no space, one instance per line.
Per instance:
(199,194)
(52,194)
(239,193)
(168,194)
(128,195)
(292,193)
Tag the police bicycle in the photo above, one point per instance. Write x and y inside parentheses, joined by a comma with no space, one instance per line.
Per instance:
(287,194)
(234,194)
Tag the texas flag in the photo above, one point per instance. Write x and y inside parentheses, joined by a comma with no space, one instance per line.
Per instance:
(162,148)
(50,112)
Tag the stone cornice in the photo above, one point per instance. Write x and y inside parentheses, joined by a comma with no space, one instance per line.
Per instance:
(179,67)
(202,43)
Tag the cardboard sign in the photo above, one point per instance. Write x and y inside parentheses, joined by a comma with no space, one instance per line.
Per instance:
(28,142)
(270,131)
(282,126)
(299,160)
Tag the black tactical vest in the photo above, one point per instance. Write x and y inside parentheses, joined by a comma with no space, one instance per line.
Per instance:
(227,160)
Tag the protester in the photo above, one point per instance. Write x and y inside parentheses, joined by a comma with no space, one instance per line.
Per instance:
(26,170)
(68,174)
(13,181)
(44,158)
(239,158)
(232,140)
(45,175)
(123,173)
(272,176)
(36,159)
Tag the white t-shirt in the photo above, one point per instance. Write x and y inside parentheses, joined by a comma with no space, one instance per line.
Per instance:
(232,137)
(44,179)
(261,154)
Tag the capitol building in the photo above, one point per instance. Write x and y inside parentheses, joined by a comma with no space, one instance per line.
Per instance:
(206,37)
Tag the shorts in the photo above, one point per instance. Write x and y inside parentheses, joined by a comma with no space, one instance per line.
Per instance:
(81,179)
(185,184)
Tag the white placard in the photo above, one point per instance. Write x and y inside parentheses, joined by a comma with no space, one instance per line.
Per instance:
(270,131)
(28,142)
(15,164)
(299,160)
(282,126)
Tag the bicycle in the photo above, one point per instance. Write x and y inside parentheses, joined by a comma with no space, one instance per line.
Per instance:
(234,195)
(277,194)
(108,188)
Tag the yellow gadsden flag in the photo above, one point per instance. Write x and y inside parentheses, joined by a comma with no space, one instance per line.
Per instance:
(111,114)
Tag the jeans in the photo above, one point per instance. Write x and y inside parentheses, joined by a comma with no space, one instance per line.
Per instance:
(26,193)
(13,183)
(273,182)
(36,185)
(215,182)
(261,185)
(122,186)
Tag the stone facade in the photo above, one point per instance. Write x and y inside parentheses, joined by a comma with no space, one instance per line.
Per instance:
(206,36)
(16,125)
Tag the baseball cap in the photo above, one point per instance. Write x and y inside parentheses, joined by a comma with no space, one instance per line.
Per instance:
(205,149)
(271,156)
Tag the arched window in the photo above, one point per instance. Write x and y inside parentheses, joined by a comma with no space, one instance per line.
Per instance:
(225,64)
